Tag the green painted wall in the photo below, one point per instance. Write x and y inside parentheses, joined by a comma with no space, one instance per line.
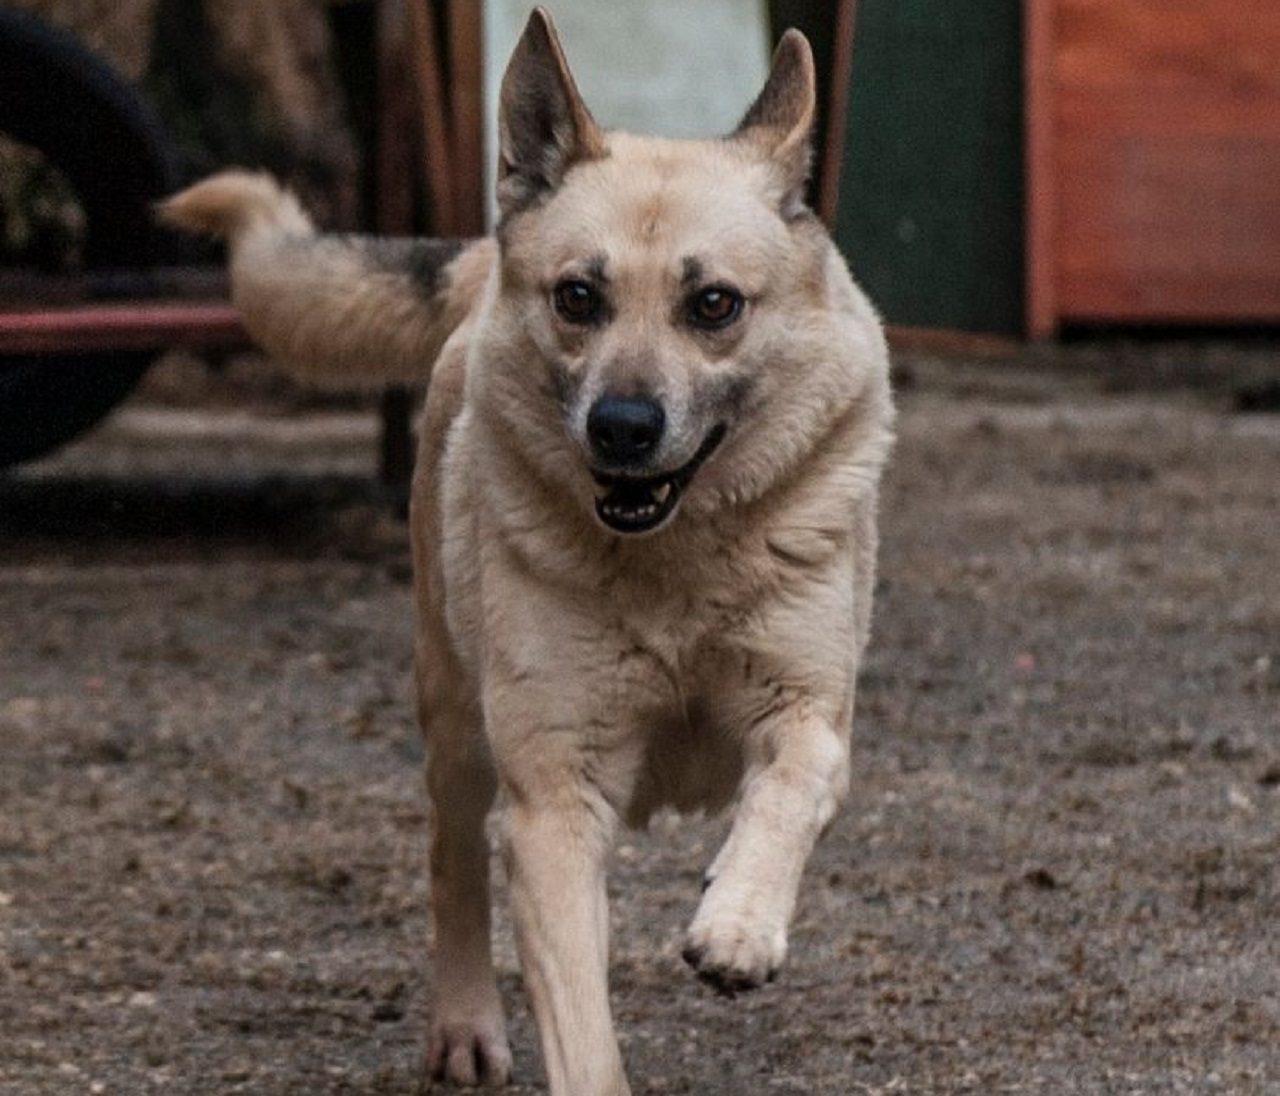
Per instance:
(931,187)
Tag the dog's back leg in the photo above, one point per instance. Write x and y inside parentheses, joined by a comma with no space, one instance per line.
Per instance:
(466,1040)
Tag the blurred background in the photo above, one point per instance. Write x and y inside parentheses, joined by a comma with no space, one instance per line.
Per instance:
(1022,170)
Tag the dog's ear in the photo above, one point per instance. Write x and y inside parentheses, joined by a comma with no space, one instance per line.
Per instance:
(780,121)
(544,127)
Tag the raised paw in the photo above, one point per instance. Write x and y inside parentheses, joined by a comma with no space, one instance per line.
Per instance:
(733,955)
(468,1054)
(728,981)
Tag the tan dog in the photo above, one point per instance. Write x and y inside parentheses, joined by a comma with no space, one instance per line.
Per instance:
(644,522)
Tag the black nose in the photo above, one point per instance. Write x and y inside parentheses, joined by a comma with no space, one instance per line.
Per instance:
(625,429)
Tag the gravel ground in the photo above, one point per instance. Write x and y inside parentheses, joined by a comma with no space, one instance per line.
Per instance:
(1057,872)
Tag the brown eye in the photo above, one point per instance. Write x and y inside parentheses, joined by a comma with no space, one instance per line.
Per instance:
(715,307)
(577,302)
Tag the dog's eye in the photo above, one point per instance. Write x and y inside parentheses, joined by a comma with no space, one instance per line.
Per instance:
(577,302)
(715,307)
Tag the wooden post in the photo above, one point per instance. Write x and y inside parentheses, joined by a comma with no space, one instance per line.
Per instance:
(828,196)
(466,112)
(1041,183)
(438,92)
(394,185)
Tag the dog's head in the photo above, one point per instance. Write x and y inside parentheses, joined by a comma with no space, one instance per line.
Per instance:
(655,295)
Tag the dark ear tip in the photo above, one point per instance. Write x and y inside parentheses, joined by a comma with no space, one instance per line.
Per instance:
(539,19)
(539,34)
(541,24)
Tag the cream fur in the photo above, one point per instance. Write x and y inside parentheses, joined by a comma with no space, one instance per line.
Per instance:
(317,303)
(588,676)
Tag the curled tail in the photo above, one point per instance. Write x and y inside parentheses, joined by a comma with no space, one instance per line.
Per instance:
(236,203)
(341,309)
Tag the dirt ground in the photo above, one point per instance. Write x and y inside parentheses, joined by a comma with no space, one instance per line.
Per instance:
(1057,872)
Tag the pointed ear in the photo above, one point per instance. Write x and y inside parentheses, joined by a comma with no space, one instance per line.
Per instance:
(780,121)
(544,127)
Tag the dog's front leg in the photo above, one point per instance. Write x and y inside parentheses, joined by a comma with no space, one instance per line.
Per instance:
(797,773)
(558,841)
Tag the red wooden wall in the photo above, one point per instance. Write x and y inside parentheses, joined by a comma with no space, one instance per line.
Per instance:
(1153,169)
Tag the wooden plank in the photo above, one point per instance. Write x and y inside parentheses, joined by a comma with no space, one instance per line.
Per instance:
(945,340)
(437,147)
(466,112)
(399,115)
(1116,297)
(1170,50)
(831,153)
(1041,191)
(396,150)
(1085,112)
(1182,226)
(1161,173)
(152,326)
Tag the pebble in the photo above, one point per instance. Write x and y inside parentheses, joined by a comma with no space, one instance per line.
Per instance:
(1239,801)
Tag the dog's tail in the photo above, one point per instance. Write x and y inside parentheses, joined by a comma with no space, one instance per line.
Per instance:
(346,310)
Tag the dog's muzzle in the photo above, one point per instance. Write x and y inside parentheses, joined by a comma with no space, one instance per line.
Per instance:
(634,504)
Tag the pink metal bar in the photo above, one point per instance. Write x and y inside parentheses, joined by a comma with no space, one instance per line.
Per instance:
(151,326)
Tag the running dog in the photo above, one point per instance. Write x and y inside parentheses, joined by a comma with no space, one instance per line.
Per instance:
(643,520)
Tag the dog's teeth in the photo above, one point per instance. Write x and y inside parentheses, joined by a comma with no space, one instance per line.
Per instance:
(661,492)
(631,513)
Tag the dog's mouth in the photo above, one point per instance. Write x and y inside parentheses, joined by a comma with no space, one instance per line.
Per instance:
(633,504)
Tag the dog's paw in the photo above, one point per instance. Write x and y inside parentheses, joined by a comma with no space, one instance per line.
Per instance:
(468,1053)
(732,954)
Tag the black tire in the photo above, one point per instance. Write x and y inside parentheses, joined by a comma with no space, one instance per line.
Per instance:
(62,99)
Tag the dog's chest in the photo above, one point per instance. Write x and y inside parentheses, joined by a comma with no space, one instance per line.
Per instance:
(689,694)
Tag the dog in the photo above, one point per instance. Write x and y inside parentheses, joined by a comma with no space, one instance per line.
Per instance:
(643,520)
